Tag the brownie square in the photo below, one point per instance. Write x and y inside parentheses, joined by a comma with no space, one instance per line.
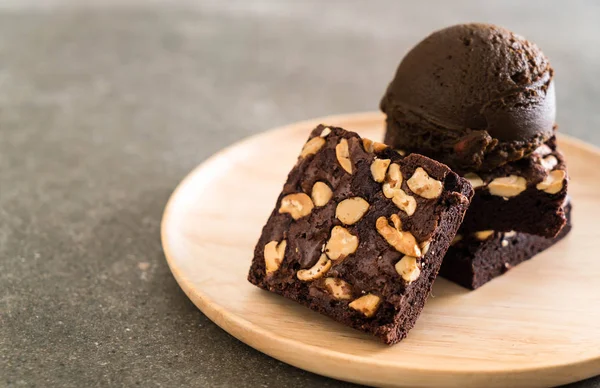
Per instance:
(476,258)
(358,232)
(525,196)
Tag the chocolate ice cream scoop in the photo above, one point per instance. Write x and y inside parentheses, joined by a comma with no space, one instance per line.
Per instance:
(474,96)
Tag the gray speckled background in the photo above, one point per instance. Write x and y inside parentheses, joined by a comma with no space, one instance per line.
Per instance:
(105,107)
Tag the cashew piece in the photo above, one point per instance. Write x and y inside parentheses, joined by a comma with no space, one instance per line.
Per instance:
(325,132)
(509,186)
(351,210)
(483,235)
(273,253)
(405,202)
(321,194)
(456,239)
(553,183)
(316,271)
(474,179)
(312,146)
(424,185)
(338,288)
(298,205)
(373,146)
(366,304)
(343,155)
(379,168)
(549,162)
(408,268)
(393,181)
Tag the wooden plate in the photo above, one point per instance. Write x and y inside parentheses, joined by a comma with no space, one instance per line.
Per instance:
(538,325)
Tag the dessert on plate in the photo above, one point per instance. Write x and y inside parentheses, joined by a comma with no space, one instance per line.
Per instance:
(360,229)
(359,232)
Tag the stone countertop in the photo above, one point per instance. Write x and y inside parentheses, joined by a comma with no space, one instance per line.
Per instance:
(104,108)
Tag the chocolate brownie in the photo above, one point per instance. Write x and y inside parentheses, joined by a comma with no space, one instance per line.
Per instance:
(479,257)
(526,196)
(358,232)
(473,96)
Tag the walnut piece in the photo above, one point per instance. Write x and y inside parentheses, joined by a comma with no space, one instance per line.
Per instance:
(379,168)
(273,253)
(312,146)
(366,304)
(373,146)
(483,235)
(424,185)
(509,186)
(403,242)
(396,221)
(343,155)
(408,268)
(321,194)
(553,183)
(298,205)
(341,243)
(474,179)
(316,271)
(338,288)
(351,210)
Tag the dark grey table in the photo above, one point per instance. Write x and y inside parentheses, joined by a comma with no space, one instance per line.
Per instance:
(104,108)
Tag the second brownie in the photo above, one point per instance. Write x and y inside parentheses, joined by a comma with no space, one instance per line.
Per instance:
(525,196)
(476,258)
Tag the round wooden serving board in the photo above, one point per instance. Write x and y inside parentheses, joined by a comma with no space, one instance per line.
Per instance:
(538,325)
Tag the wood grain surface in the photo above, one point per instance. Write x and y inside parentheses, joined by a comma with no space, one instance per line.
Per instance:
(538,325)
